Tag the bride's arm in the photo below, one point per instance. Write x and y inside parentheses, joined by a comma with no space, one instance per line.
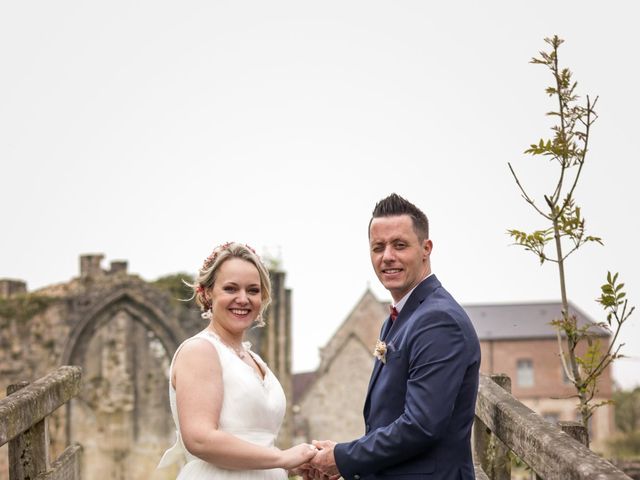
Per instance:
(199,392)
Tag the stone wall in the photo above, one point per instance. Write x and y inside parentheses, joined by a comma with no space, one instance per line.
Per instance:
(332,406)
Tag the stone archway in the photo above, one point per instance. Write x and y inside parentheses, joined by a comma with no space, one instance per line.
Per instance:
(168,333)
(124,344)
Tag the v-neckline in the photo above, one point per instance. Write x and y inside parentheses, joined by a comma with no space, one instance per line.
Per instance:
(260,375)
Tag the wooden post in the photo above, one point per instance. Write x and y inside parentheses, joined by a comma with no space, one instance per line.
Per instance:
(491,453)
(29,451)
(576,431)
(544,447)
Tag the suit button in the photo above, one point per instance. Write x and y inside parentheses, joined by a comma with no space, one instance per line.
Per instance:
(356,477)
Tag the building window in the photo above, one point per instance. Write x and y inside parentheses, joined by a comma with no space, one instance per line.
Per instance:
(551,417)
(525,372)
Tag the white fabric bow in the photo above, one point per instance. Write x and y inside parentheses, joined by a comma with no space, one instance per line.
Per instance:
(175,454)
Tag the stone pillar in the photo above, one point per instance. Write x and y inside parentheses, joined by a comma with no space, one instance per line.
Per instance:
(90,265)
(118,266)
(273,344)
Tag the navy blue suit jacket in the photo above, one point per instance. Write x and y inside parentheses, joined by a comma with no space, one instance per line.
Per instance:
(420,403)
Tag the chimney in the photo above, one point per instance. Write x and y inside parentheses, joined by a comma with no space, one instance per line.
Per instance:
(118,266)
(90,265)
(10,287)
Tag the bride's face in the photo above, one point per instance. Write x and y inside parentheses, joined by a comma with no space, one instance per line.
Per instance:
(236,295)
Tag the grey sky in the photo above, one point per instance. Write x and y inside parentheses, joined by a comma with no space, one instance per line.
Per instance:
(153,131)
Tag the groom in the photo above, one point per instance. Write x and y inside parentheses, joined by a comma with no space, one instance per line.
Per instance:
(421,399)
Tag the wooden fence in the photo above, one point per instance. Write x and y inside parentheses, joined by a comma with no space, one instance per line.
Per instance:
(504,425)
(23,423)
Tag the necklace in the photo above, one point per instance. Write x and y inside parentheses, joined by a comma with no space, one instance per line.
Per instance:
(240,351)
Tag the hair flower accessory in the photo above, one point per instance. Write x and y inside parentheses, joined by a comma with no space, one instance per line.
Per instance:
(216,251)
(380,351)
(211,258)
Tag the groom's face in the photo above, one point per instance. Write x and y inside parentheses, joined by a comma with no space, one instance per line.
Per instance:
(400,259)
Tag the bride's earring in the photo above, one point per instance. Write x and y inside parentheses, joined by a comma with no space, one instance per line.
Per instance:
(208,313)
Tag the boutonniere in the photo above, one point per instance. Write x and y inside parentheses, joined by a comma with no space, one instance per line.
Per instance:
(380,351)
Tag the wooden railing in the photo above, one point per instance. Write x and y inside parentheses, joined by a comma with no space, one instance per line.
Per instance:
(503,424)
(23,423)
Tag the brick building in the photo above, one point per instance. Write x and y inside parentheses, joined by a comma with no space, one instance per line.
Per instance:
(517,339)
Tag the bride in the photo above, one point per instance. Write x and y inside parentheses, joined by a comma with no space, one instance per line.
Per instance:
(226,403)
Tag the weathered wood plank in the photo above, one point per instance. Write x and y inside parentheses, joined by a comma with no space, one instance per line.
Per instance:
(28,406)
(480,475)
(575,430)
(490,453)
(28,451)
(501,465)
(551,453)
(67,467)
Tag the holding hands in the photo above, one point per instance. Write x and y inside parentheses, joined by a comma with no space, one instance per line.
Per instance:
(294,457)
(322,466)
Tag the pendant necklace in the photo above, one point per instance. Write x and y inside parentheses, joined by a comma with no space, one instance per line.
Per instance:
(241,351)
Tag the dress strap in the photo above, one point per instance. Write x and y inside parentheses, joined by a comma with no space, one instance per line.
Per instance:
(202,335)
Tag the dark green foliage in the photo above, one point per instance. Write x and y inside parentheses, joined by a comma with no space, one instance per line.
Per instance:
(626,446)
(175,286)
(628,410)
(23,307)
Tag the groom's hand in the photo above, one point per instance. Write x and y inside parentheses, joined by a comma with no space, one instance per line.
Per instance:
(306,471)
(324,461)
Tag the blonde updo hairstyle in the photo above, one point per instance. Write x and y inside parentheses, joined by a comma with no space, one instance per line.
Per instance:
(207,274)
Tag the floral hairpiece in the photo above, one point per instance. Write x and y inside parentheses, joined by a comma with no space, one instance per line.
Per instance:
(212,258)
(216,251)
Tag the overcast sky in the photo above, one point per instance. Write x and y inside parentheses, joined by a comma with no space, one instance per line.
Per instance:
(152,131)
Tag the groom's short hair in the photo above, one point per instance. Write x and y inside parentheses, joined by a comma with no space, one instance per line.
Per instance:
(395,205)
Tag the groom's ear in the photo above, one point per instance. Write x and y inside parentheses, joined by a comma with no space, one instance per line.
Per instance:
(427,246)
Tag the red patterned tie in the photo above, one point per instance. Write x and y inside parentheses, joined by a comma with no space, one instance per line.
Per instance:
(394,314)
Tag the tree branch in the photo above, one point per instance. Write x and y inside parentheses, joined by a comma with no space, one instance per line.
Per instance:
(524,194)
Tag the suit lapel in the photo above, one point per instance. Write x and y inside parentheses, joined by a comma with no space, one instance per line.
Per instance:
(377,366)
(389,329)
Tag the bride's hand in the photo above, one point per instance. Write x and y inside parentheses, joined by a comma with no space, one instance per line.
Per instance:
(295,456)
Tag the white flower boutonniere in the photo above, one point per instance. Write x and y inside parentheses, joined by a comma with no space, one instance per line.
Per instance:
(380,351)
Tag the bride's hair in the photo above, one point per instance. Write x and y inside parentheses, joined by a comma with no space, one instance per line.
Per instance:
(207,274)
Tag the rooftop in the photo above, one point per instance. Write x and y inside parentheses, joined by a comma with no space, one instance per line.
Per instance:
(522,320)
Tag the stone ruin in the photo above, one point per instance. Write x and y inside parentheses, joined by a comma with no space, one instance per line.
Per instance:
(123,332)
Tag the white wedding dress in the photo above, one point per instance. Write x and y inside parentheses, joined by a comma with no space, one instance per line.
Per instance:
(252,409)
